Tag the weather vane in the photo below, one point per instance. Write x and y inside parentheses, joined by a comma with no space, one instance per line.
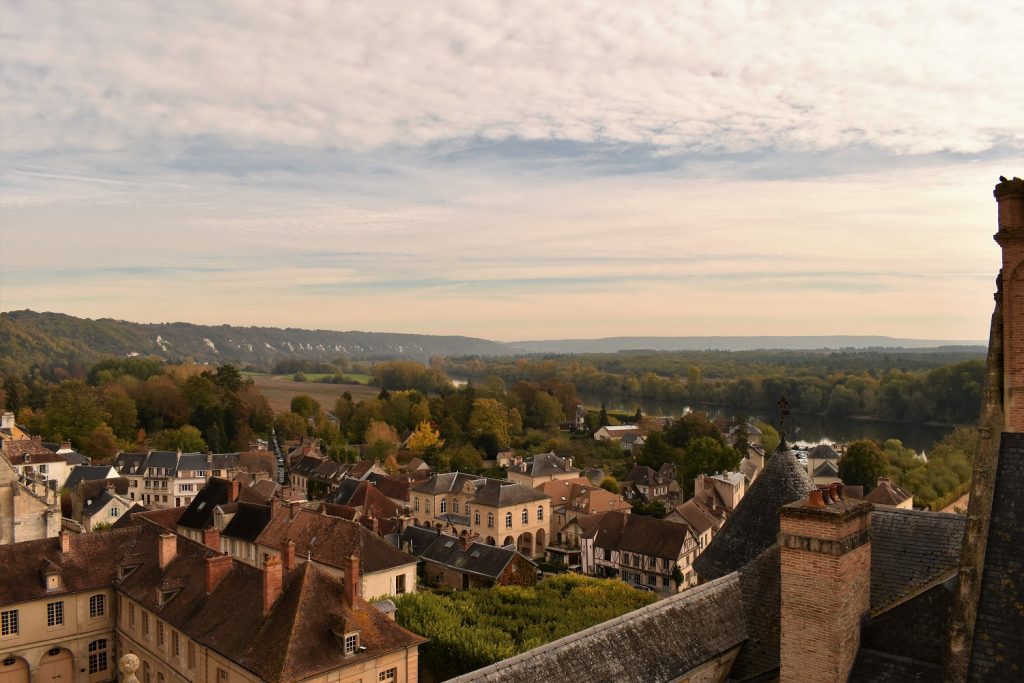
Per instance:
(783,414)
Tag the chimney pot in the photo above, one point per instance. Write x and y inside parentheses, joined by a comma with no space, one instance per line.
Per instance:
(814,499)
(168,548)
(833,492)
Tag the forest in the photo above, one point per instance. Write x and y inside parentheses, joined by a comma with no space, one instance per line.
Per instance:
(942,385)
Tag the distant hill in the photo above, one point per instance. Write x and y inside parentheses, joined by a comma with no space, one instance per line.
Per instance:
(614,344)
(27,338)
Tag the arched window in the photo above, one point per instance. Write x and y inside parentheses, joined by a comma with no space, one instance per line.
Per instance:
(508,520)
(98,656)
(444,505)
(525,516)
(540,513)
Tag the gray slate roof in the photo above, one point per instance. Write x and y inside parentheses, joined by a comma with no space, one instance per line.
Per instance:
(654,644)
(998,650)
(81,473)
(639,534)
(873,666)
(498,493)
(444,483)
(911,549)
(479,558)
(547,464)
(249,521)
(754,524)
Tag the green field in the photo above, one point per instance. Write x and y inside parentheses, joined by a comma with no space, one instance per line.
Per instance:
(280,389)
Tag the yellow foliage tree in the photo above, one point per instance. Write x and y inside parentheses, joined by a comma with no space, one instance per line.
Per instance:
(424,437)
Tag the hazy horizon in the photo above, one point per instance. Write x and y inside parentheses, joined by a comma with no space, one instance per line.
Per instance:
(510,172)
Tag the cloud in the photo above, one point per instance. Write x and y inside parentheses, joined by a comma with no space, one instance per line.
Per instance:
(910,78)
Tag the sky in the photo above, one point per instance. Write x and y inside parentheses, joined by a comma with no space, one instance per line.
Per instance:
(513,171)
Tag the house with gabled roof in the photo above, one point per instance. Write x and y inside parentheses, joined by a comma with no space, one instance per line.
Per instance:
(463,563)
(542,467)
(889,494)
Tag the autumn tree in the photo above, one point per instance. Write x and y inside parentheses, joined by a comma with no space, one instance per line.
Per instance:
(100,444)
(382,439)
(305,405)
(290,425)
(425,437)
(187,439)
(73,411)
(489,416)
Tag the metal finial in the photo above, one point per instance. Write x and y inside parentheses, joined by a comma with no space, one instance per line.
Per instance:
(783,414)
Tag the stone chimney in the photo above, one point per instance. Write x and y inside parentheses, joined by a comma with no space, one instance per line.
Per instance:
(167,549)
(1009,195)
(825,545)
(65,541)
(211,538)
(272,576)
(353,580)
(217,567)
(7,420)
(289,555)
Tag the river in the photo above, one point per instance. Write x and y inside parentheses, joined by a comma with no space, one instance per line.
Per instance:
(807,430)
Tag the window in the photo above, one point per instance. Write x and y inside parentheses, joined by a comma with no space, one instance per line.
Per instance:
(476,518)
(540,513)
(455,505)
(113,512)
(651,580)
(389,675)
(351,640)
(131,614)
(9,623)
(98,656)
(159,634)
(508,520)
(159,677)
(664,582)
(444,505)
(175,644)
(490,520)
(664,564)
(55,613)
(97,606)
(42,469)
(399,584)
(416,504)
(525,516)
(191,649)
(146,676)
(187,487)
(145,625)
(426,506)
(222,676)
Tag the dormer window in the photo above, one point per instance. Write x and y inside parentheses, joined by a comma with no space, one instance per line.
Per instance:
(28,458)
(351,643)
(167,596)
(52,582)
(125,571)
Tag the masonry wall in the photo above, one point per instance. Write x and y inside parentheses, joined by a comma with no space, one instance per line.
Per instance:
(825,589)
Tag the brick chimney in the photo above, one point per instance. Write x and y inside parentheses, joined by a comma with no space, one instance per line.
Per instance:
(825,544)
(294,508)
(1009,195)
(353,580)
(217,567)
(275,506)
(65,541)
(272,576)
(289,555)
(236,488)
(211,538)
(167,549)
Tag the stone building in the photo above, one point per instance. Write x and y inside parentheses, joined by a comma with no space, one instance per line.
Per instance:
(29,509)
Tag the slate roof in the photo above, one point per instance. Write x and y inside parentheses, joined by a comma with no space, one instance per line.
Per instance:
(760,586)
(199,513)
(306,465)
(479,558)
(910,550)
(641,474)
(654,644)
(547,464)
(498,493)
(81,473)
(248,522)
(418,538)
(823,451)
(331,541)
(444,483)
(872,666)
(695,517)
(998,650)
(97,503)
(126,520)
(754,525)
(365,495)
(828,468)
(639,534)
